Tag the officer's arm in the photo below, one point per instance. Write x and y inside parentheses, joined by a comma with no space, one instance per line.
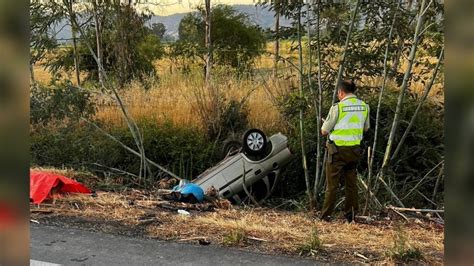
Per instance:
(330,121)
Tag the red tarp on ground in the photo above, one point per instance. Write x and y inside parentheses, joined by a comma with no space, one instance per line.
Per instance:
(41,184)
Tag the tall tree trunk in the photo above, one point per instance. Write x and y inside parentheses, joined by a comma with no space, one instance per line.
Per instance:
(208,41)
(277,42)
(344,54)
(379,104)
(310,55)
(401,97)
(98,34)
(422,100)
(314,199)
(320,104)
(72,18)
(301,123)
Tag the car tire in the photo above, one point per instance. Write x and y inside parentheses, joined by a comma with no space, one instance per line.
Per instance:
(254,142)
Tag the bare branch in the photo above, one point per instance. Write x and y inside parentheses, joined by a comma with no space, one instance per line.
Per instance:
(130,149)
(423,178)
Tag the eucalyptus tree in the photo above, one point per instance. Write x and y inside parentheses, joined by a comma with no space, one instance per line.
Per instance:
(403,88)
(43,17)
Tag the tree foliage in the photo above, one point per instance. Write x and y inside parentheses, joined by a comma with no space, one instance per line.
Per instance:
(236,41)
(158,29)
(42,18)
(127,54)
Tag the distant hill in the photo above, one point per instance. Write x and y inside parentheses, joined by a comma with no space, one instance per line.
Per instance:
(260,16)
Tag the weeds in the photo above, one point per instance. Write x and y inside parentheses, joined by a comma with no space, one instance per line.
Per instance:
(235,237)
(402,250)
(312,245)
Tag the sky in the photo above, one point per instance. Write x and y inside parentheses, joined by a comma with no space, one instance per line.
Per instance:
(168,7)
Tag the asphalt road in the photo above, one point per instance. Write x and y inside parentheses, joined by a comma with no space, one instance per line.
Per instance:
(54,245)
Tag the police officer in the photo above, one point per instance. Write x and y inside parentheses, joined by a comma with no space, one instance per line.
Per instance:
(346,122)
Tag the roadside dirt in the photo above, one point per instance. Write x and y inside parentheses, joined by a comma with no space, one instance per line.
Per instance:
(143,214)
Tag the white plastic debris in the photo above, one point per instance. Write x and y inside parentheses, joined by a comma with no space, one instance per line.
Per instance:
(183,212)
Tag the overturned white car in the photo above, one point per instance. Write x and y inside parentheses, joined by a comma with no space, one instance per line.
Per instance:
(258,159)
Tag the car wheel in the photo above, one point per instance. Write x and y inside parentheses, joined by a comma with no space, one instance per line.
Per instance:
(254,142)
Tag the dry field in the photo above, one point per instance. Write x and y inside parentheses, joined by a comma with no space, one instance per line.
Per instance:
(173,98)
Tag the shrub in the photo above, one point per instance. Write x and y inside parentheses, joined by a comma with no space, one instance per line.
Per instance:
(401,249)
(312,245)
(235,237)
(61,102)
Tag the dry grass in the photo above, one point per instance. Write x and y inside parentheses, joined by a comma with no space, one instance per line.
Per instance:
(173,98)
(277,232)
(174,101)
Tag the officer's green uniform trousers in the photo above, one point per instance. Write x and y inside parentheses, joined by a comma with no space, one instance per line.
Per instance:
(342,166)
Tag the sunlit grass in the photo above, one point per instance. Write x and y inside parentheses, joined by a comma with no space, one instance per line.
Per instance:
(172,99)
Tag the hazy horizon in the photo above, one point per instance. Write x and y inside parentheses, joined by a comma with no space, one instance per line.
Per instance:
(169,7)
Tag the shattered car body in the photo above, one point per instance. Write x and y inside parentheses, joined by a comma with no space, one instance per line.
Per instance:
(259,159)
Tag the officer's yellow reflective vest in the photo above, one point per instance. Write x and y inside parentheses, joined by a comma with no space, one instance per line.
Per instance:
(349,127)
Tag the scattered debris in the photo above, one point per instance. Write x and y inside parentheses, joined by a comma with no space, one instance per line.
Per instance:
(148,219)
(193,238)
(183,212)
(397,212)
(364,219)
(44,211)
(417,213)
(222,204)
(415,210)
(34,221)
(211,192)
(361,256)
(204,242)
(166,183)
(256,239)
